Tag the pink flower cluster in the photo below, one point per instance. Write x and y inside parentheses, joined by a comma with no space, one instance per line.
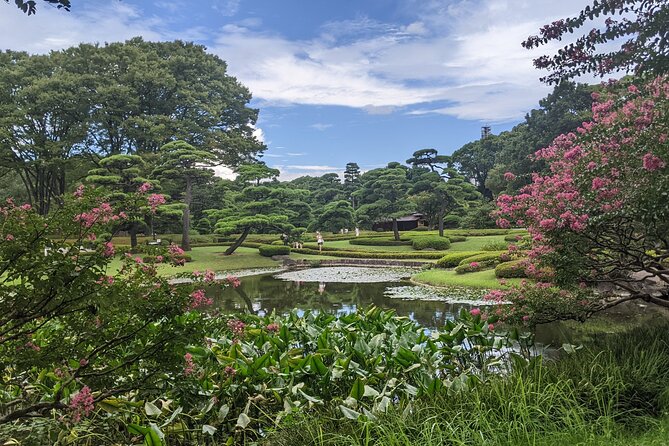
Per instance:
(652,163)
(474,264)
(82,404)
(189,368)
(198,299)
(234,281)
(102,214)
(274,328)
(144,188)
(236,326)
(79,192)
(108,250)
(155,200)
(208,276)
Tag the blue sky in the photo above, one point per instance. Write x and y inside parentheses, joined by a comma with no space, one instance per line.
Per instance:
(367,81)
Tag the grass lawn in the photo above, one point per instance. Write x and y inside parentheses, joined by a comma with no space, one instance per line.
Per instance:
(474,243)
(441,277)
(211,257)
(344,244)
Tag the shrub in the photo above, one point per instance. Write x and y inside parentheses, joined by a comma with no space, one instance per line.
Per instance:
(512,269)
(453,259)
(483,257)
(434,242)
(273,250)
(452,221)
(515,237)
(377,241)
(372,255)
(472,267)
(494,246)
(457,238)
(421,228)
(277,243)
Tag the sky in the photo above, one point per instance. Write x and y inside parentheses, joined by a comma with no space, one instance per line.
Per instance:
(366,81)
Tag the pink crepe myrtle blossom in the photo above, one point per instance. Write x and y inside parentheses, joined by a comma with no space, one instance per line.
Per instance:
(82,404)
(155,200)
(109,250)
(474,264)
(475,311)
(236,326)
(9,237)
(79,192)
(274,327)
(144,188)
(189,367)
(509,176)
(652,163)
(199,299)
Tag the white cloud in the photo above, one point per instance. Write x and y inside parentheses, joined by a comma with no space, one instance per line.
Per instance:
(320,126)
(224,172)
(295,153)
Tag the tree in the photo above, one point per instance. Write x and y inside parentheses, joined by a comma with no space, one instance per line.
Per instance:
(71,323)
(383,195)
(256,172)
(181,162)
(30,6)
(121,175)
(335,216)
(600,216)
(43,121)
(636,41)
(351,180)
(445,197)
(429,158)
(474,160)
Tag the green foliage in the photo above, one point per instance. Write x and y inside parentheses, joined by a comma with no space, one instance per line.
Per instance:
(336,215)
(493,256)
(515,238)
(457,238)
(372,254)
(434,242)
(453,259)
(379,241)
(475,266)
(452,221)
(494,246)
(512,269)
(608,393)
(273,250)
(420,229)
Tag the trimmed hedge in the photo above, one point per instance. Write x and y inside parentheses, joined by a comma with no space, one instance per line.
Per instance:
(372,255)
(151,258)
(434,242)
(473,267)
(420,229)
(511,270)
(453,259)
(273,250)
(514,237)
(368,241)
(484,257)
(457,238)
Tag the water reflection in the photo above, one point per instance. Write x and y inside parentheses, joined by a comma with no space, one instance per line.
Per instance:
(263,294)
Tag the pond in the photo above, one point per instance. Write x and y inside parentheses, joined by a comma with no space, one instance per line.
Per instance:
(342,290)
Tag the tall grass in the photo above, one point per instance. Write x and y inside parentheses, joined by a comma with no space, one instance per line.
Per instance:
(613,391)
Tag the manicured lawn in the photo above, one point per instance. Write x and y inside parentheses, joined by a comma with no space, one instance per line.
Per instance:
(475,243)
(441,277)
(211,257)
(344,244)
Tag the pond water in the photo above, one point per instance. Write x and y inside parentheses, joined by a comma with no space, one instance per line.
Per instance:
(343,290)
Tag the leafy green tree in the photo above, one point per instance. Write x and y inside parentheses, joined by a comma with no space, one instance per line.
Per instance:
(444,198)
(474,161)
(428,158)
(335,216)
(43,121)
(351,181)
(256,172)
(122,176)
(383,195)
(634,41)
(183,163)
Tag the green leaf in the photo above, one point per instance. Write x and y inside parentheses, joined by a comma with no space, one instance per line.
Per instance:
(358,389)
(318,365)
(151,409)
(349,413)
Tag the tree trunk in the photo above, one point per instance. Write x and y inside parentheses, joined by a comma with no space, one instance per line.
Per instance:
(441,225)
(396,230)
(238,242)
(133,234)
(188,198)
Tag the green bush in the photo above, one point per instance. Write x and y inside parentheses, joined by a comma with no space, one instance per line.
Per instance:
(273,250)
(474,266)
(277,243)
(457,238)
(494,246)
(372,255)
(484,257)
(421,228)
(377,241)
(515,237)
(453,259)
(432,241)
(452,221)
(511,270)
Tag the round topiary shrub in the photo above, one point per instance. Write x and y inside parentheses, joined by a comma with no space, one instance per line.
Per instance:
(421,228)
(511,270)
(434,242)
(493,256)
(277,243)
(514,237)
(273,250)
